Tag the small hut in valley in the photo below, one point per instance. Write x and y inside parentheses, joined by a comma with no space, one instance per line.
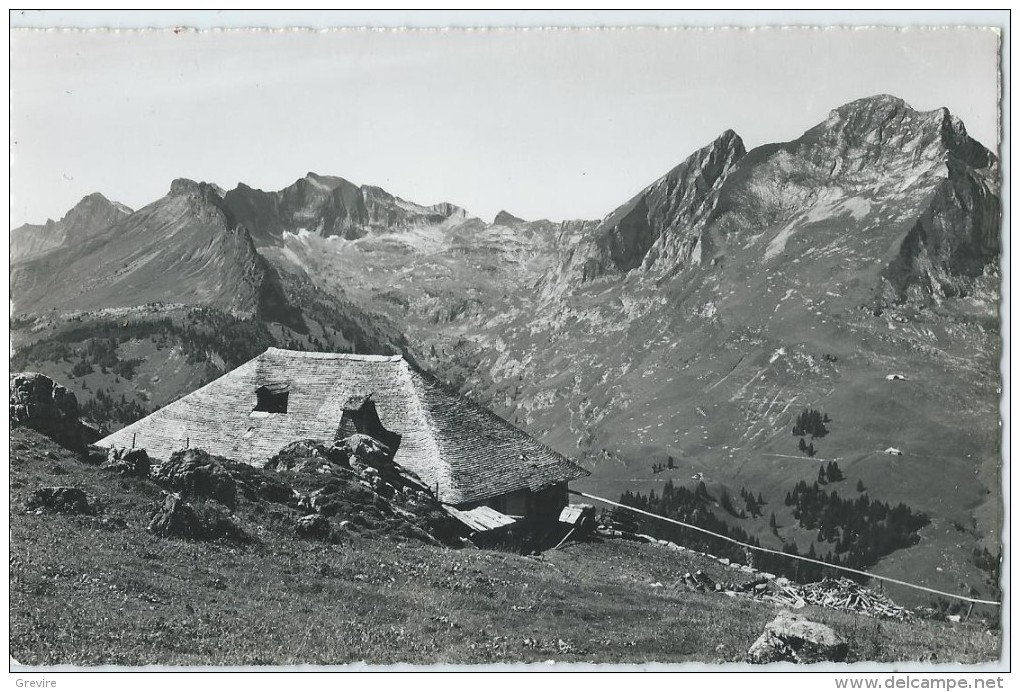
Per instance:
(477,464)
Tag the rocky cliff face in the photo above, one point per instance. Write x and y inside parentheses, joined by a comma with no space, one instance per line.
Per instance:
(663,216)
(911,187)
(87,219)
(328,206)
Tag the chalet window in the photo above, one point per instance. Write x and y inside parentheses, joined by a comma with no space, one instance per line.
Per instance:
(272,398)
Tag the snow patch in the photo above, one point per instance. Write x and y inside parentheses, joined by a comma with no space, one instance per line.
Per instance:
(858,207)
(778,244)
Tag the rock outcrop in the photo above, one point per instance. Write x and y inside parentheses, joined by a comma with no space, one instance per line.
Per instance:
(356,481)
(50,408)
(308,456)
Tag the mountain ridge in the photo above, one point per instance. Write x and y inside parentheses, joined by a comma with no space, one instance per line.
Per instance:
(90,216)
(188,235)
(329,206)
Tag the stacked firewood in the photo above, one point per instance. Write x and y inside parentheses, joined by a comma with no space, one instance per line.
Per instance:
(846,594)
(842,594)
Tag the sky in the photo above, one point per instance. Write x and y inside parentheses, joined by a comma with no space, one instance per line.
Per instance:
(553,124)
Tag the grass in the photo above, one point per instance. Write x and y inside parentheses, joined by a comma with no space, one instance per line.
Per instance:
(95,590)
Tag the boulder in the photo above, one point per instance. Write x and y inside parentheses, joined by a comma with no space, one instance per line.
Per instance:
(126,462)
(796,639)
(197,474)
(204,522)
(313,526)
(43,405)
(61,499)
(176,518)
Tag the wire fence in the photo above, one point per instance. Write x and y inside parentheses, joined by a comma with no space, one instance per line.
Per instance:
(802,558)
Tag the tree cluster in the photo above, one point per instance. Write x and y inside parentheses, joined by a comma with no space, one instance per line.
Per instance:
(104,408)
(811,422)
(668,466)
(830,473)
(692,507)
(752,504)
(863,530)
(695,508)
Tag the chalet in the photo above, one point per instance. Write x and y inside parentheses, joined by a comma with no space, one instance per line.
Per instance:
(485,470)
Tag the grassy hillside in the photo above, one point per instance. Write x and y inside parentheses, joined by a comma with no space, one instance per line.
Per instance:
(92,590)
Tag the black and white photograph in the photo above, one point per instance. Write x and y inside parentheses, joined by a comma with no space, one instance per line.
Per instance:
(509,342)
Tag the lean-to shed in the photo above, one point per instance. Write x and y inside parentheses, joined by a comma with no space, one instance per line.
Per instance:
(468,455)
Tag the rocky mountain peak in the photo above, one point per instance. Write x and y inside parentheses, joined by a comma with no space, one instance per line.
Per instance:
(671,206)
(92,215)
(328,182)
(885,127)
(93,200)
(205,202)
(729,141)
(505,218)
(879,103)
(191,188)
(94,209)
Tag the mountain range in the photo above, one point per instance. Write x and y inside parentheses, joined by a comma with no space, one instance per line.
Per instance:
(852,271)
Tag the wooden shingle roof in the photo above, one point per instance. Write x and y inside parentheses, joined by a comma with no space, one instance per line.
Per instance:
(465,452)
